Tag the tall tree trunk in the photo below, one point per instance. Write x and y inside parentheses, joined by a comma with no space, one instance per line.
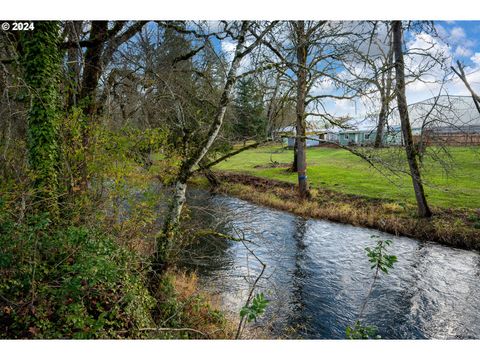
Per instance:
(91,75)
(165,240)
(294,167)
(41,63)
(93,66)
(301,73)
(271,110)
(385,96)
(101,45)
(382,120)
(423,209)
(172,221)
(74,29)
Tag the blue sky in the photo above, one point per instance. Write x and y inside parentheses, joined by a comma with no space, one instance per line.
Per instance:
(458,40)
(463,36)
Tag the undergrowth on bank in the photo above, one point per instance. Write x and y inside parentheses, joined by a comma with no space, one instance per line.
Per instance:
(85,274)
(70,282)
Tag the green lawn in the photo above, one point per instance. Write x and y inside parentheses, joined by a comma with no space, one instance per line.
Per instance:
(339,170)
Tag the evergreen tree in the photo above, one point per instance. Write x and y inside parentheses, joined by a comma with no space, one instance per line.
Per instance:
(250,121)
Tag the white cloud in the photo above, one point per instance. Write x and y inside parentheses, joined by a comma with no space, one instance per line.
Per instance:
(344,107)
(323,86)
(463,51)
(457,38)
(457,34)
(215,26)
(428,43)
(476,58)
(228,48)
(442,32)
(451,44)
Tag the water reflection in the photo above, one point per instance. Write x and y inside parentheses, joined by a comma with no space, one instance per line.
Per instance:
(318,274)
(299,318)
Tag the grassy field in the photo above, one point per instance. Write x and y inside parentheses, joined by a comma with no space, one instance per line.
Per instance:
(339,170)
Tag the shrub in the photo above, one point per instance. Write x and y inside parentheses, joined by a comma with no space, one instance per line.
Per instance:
(182,305)
(68,282)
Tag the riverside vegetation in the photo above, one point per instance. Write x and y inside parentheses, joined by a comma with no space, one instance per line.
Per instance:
(105,124)
(85,275)
(348,190)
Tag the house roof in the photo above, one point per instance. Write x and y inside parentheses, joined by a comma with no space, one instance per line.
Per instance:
(444,111)
(357,131)
(441,111)
(311,128)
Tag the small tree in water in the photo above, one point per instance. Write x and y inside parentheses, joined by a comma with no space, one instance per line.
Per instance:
(381,262)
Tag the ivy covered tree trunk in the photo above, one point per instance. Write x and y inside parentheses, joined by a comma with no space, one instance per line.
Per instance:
(41,64)
(423,209)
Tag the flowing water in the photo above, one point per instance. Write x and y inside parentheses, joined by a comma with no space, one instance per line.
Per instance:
(317,274)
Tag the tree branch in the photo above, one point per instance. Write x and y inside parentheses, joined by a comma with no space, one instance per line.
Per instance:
(229,155)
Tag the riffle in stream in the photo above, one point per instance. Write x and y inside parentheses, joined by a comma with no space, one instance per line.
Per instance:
(318,274)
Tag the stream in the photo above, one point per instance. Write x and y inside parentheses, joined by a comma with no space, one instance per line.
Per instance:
(317,274)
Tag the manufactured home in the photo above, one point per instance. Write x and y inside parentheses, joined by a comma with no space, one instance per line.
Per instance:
(315,137)
(449,120)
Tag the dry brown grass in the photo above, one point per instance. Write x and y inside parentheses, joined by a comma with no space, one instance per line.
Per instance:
(184,303)
(447,226)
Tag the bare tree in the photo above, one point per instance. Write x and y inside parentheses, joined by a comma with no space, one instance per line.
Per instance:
(461,74)
(278,105)
(385,88)
(370,63)
(100,47)
(423,209)
(190,161)
(300,32)
(310,52)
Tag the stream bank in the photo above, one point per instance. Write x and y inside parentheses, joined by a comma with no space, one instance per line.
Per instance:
(455,227)
(317,274)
